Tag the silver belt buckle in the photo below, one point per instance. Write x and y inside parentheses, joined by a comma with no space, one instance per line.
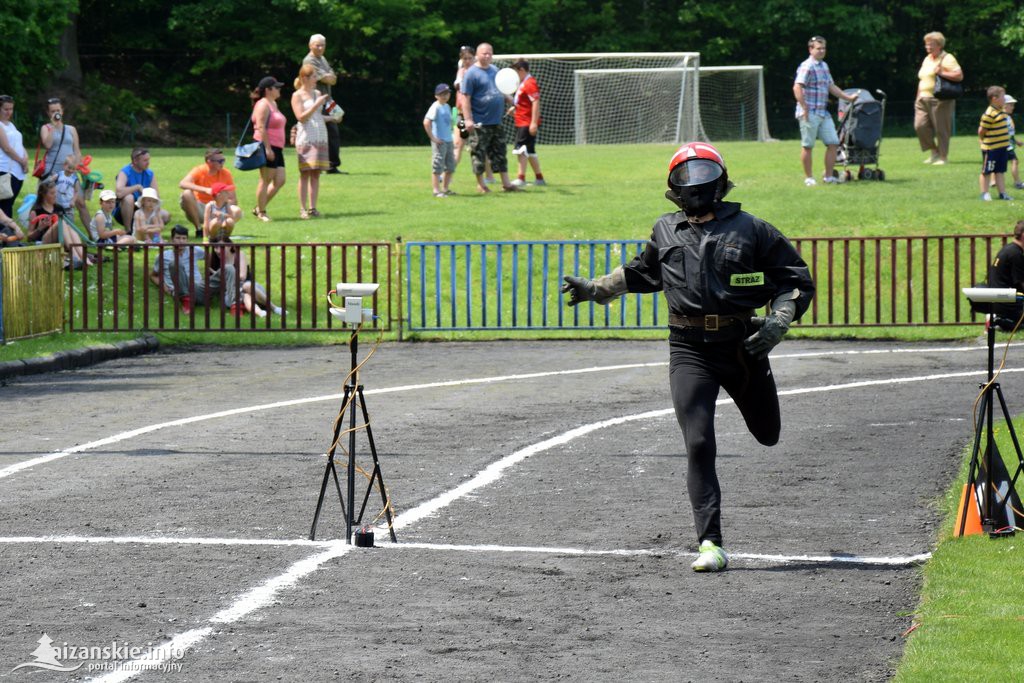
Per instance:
(711,323)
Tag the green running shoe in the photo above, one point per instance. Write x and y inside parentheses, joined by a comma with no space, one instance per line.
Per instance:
(711,558)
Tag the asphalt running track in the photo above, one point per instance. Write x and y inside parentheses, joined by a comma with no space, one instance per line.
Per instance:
(164,502)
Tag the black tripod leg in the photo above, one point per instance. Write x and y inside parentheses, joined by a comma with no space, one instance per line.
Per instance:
(376,474)
(329,471)
(972,470)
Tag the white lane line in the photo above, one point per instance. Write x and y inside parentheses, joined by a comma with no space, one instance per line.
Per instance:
(265,593)
(476,548)
(123,436)
(131,434)
(167,540)
(644,552)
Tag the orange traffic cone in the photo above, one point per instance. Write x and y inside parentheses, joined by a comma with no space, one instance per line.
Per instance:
(973,523)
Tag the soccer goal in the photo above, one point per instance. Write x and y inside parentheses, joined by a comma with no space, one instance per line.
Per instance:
(732,103)
(619,107)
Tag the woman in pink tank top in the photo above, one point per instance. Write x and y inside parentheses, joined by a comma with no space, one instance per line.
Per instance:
(268,127)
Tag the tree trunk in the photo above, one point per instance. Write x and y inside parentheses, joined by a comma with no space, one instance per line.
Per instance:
(69,52)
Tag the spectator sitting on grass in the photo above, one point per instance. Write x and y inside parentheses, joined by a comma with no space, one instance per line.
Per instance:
(129,184)
(148,222)
(220,215)
(177,273)
(195,187)
(44,225)
(10,234)
(101,228)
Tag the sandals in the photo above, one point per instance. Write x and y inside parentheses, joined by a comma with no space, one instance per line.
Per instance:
(314,213)
(262,215)
(304,215)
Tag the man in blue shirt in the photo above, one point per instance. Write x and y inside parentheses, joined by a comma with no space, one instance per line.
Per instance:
(811,89)
(482,109)
(129,184)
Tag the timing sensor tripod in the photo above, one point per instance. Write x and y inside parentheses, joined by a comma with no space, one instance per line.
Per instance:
(353,395)
(988,481)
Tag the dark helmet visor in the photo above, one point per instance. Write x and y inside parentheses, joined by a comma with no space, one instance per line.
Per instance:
(694,172)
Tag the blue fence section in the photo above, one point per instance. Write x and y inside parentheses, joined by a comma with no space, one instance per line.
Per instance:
(890,281)
(517,285)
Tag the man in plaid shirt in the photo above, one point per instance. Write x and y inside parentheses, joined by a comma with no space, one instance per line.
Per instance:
(811,88)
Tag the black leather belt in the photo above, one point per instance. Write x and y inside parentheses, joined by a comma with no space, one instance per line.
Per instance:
(708,323)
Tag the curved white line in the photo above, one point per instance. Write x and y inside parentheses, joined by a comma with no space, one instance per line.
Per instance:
(265,593)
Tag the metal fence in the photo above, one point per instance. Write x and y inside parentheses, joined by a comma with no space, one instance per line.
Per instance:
(118,293)
(31,291)
(861,282)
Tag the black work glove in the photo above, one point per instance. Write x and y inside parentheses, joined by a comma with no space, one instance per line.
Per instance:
(579,289)
(773,328)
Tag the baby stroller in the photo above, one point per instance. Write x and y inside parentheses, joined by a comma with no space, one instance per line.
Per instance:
(860,134)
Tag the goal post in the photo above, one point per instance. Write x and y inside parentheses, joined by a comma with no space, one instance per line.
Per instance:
(555,73)
(732,104)
(637,105)
(655,97)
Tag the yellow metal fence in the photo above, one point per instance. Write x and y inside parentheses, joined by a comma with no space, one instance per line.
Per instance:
(32,286)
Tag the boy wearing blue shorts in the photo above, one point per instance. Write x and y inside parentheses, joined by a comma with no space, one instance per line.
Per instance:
(438,125)
(994,139)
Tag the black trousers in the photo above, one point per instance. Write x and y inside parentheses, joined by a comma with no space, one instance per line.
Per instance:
(7,205)
(333,144)
(697,370)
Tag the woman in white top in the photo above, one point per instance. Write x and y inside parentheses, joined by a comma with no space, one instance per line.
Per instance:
(933,118)
(13,158)
(310,139)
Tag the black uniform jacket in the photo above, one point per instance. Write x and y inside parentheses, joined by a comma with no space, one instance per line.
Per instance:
(731,264)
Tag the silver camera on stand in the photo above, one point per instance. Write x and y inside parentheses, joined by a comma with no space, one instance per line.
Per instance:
(352,312)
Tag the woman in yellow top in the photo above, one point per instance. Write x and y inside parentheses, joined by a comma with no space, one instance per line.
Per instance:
(933,118)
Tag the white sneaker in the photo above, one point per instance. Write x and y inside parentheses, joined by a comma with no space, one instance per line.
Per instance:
(278,310)
(809,182)
(518,183)
(939,162)
(830,180)
(986,197)
(711,558)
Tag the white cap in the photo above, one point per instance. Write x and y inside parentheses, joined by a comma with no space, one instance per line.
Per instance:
(1009,100)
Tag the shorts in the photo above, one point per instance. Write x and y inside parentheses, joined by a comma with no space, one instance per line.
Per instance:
(1011,154)
(442,158)
(993,160)
(524,139)
(817,127)
(487,144)
(278,161)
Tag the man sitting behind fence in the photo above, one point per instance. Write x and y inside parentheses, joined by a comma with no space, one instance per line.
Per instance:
(178,273)
(196,186)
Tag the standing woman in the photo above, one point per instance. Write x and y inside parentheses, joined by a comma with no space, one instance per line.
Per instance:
(60,140)
(467,55)
(268,127)
(310,140)
(933,118)
(13,158)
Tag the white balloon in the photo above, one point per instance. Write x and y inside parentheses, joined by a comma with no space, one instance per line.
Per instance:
(507,81)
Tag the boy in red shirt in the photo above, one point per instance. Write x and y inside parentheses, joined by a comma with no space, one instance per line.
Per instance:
(527,108)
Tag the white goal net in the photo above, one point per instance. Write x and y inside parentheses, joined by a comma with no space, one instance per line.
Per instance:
(655,97)
(556,75)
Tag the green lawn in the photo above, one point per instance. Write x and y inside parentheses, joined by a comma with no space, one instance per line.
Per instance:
(970,623)
(595,192)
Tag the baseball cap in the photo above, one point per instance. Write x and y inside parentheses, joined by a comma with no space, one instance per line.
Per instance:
(441,88)
(1009,100)
(107,194)
(269,82)
(217,188)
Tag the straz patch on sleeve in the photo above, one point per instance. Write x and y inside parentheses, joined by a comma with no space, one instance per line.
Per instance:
(746,279)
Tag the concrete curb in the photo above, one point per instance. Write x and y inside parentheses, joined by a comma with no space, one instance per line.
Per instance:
(79,358)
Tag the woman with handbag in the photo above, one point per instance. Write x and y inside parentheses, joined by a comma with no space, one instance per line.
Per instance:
(60,141)
(310,139)
(933,115)
(268,127)
(13,157)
